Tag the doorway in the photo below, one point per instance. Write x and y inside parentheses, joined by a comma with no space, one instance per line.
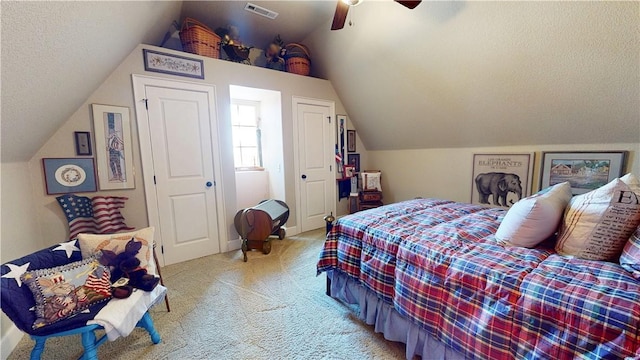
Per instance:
(177,126)
(314,159)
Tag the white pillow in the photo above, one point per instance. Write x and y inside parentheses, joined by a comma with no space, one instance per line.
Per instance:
(597,224)
(535,218)
(632,181)
(92,243)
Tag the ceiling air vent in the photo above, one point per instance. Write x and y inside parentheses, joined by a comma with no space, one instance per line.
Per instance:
(261,11)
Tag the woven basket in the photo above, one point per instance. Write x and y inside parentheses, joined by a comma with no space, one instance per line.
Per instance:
(197,38)
(298,59)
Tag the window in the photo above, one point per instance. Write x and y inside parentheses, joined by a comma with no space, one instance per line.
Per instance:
(245,124)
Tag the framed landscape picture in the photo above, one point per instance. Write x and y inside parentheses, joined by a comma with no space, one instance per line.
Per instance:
(585,171)
(501,179)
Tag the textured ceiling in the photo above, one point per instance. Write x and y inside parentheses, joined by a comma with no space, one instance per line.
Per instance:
(55,54)
(446,74)
(467,74)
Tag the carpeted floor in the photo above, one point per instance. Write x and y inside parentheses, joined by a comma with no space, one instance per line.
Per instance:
(272,307)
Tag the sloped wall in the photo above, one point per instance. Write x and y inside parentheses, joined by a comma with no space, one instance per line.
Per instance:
(457,74)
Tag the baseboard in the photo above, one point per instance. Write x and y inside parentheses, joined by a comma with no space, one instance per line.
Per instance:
(235,244)
(9,341)
(291,230)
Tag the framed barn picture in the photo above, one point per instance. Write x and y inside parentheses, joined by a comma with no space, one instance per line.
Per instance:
(112,130)
(585,171)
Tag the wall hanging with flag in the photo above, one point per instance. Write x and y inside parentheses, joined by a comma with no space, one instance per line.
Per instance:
(97,215)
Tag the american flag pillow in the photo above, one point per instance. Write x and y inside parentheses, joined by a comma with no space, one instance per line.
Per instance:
(63,291)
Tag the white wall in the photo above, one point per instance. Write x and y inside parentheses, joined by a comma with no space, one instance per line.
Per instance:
(447,173)
(251,188)
(117,90)
(19,228)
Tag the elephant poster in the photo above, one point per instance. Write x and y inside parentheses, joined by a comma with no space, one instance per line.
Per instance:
(501,179)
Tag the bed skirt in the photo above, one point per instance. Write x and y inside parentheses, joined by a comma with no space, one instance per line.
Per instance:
(386,320)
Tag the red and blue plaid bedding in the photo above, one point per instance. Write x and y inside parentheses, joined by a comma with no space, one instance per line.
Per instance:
(438,264)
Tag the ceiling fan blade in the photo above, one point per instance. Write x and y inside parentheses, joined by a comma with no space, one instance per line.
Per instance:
(340,16)
(409,4)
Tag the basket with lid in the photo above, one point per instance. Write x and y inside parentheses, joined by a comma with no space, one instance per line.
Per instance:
(199,39)
(298,59)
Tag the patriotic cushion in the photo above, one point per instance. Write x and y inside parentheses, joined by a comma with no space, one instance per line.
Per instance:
(532,220)
(630,258)
(63,291)
(597,224)
(90,244)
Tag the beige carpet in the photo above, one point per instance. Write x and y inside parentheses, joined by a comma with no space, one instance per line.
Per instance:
(272,307)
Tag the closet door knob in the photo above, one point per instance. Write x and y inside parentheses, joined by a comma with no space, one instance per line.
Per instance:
(209,184)
(304,176)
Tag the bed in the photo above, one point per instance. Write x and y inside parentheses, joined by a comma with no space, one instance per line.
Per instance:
(430,273)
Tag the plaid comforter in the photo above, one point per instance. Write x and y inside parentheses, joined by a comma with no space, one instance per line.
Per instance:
(438,264)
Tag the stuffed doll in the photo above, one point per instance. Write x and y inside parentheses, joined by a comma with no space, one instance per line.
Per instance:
(127,265)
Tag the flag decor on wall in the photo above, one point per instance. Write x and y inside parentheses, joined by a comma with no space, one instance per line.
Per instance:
(97,215)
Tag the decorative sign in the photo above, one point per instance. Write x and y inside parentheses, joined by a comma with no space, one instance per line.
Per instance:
(173,64)
(501,179)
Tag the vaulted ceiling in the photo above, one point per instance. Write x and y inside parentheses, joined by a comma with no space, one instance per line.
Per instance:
(446,74)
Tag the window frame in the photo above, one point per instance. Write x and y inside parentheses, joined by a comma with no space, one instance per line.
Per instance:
(256,105)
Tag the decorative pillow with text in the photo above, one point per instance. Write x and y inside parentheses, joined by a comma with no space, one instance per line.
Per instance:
(597,224)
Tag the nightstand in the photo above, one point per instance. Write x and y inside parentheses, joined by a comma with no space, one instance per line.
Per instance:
(354,203)
(370,199)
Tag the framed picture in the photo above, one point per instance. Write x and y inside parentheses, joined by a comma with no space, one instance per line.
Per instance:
(501,179)
(173,64)
(351,140)
(585,171)
(349,171)
(354,160)
(112,128)
(83,143)
(342,134)
(69,175)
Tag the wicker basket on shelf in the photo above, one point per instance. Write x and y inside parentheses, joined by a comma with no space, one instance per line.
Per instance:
(298,59)
(197,38)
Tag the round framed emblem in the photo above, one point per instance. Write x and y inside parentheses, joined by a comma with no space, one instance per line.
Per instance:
(70,175)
